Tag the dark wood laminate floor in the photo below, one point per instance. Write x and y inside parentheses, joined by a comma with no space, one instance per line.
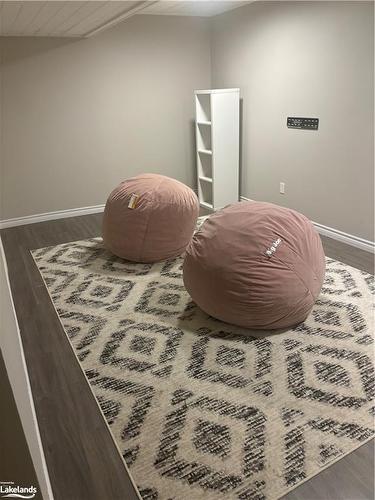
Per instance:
(82,459)
(15,460)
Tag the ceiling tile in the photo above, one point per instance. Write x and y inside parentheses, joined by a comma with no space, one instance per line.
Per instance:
(80,18)
(106,13)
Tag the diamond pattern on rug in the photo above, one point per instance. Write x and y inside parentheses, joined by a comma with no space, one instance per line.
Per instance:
(201,409)
(215,357)
(165,300)
(83,328)
(96,292)
(353,397)
(184,423)
(142,347)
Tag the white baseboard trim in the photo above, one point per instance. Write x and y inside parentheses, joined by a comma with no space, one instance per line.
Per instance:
(349,239)
(60,214)
(336,234)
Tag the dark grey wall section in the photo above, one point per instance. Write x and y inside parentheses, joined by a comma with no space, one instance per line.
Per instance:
(313,59)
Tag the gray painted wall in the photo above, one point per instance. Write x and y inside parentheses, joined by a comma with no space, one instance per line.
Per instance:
(304,59)
(79,116)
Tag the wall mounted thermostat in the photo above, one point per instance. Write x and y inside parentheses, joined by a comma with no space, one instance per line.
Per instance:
(306,123)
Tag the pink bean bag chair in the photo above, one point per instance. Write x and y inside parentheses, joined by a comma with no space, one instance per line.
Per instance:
(255,265)
(149,218)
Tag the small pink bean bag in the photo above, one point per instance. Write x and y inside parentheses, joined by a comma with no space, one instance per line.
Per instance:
(255,265)
(149,218)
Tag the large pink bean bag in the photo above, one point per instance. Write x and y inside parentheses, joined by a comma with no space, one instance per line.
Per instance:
(255,265)
(149,218)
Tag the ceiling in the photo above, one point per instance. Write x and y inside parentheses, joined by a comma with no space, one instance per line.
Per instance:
(74,18)
(61,18)
(192,8)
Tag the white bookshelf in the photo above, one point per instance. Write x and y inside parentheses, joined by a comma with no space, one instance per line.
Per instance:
(217,117)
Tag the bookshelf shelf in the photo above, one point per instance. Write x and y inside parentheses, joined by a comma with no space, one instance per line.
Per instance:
(217,146)
(205,179)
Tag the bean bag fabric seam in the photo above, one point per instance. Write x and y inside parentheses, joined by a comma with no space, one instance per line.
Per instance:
(152,198)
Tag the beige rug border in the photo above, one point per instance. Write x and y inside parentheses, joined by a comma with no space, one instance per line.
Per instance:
(288,490)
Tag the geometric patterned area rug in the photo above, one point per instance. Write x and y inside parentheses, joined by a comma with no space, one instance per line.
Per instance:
(201,409)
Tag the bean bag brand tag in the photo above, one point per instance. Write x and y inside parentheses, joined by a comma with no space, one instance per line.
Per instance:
(133,201)
(272,249)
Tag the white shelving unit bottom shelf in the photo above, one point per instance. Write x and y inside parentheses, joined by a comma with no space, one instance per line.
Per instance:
(204,204)
(205,151)
(206,179)
(204,123)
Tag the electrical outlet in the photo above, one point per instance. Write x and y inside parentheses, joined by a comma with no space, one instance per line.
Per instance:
(282,187)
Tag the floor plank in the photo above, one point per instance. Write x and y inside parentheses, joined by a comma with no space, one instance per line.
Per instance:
(82,459)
